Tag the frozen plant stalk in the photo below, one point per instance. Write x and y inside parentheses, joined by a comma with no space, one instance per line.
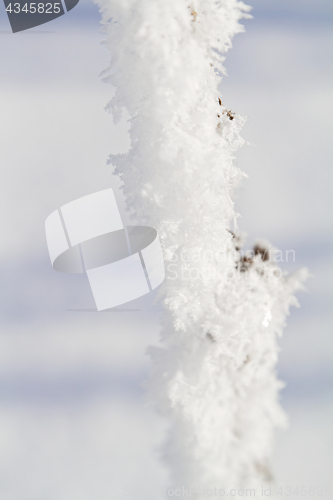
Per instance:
(214,375)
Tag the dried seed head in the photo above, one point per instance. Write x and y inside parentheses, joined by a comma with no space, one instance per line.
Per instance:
(264,252)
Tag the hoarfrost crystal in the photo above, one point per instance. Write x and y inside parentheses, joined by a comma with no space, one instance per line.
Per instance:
(214,374)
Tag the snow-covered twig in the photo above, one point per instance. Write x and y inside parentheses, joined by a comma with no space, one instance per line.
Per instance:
(214,374)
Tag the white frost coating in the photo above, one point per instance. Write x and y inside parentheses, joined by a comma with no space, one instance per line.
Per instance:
(214,375)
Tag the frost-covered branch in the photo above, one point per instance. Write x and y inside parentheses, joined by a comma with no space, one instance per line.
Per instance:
(214,375)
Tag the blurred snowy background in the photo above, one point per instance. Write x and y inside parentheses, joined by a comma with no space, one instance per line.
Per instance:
(73,422)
